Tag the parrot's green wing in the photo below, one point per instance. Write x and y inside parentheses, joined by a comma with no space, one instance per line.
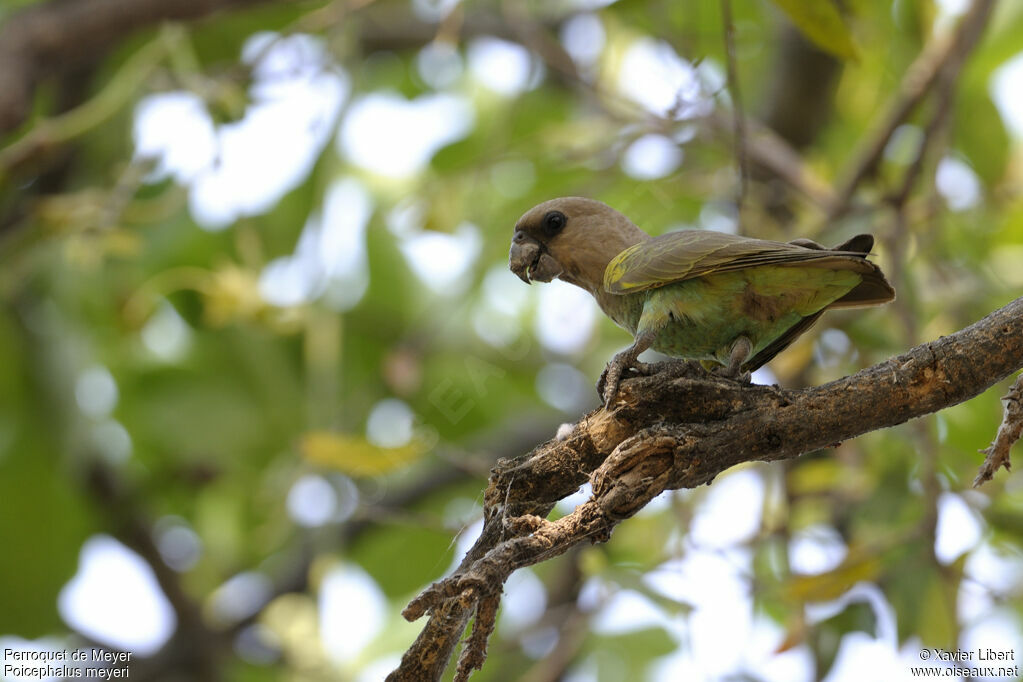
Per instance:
(688,254)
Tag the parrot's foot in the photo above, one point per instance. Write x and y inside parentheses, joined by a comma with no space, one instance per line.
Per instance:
(742,348)
(607,385)
(673,368)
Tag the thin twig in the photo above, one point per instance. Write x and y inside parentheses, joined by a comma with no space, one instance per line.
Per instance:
(196,649)
(738,115)
(756,142)
(1009,432)
(53,37)
(942,53)
(112,98)
(768,149)
(933,133)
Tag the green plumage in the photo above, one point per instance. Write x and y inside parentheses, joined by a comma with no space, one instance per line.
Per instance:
(697,292)
(699,319)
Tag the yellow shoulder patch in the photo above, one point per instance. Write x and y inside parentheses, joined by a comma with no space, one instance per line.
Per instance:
(616,269)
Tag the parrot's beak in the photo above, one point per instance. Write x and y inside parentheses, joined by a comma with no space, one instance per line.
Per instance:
(524,254)
(530,261)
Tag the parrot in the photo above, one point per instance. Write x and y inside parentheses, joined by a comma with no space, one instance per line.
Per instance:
(729,302)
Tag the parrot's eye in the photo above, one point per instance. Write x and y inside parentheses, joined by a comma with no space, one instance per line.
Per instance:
(553,222)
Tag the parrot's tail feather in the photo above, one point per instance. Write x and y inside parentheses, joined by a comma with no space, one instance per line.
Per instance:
(873,290)
(861,243)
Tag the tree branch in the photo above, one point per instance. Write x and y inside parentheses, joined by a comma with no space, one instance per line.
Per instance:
(57,36)
(771,155)
(944,55)
(195,650)
(798,97)
(1008,433)
(737,108)
(680,428)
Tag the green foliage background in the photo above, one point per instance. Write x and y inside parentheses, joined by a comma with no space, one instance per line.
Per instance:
(219,435)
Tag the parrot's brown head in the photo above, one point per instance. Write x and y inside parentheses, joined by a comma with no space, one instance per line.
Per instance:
(571,238)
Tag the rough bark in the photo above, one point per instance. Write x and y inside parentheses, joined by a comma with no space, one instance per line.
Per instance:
(1008,433)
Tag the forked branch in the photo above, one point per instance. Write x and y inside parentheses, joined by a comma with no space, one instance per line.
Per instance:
(1008,433)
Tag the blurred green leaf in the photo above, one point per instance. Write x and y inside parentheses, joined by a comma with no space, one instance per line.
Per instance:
(403,558)
(936,624)
(982,136)
(857,616)
(617,655)
(354,455)
(44,518)
(859,565)
(821,22)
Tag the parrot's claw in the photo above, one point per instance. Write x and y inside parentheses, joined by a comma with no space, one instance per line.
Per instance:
(607,385)
(645,369)
(602,385)
(674,367)
(610,378)
(741,377)
(739,354)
